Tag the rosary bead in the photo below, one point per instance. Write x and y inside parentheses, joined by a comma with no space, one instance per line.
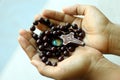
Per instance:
(47,32)
(63,48)
(46,44)
(67,25)
(41,20)
(35,23)
(45,38)
(48,63)
(71,49)
(48,54)
(62,27)
(83,34)
(60,58)
(54,33)
(35,36)
(53,49)
(32,28)
(53,28)
(47,21)
(79,30)
(44,59)
(66,53)
(41,47)
(39,42)
(74,26)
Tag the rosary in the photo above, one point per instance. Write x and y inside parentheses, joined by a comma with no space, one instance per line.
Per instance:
(58,41)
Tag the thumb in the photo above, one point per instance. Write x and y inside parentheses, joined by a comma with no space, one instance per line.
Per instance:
(75,9)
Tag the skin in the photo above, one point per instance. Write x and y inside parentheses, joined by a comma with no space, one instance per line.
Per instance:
(86,63)
(94,23)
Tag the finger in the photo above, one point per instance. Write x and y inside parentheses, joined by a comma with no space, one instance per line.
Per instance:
(37,17)
(43,27)
(58,16)
(75,9)
(27,35)
(27,47)
(45,70)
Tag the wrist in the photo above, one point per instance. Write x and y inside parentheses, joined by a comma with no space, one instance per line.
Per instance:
(114,39)
(104,70)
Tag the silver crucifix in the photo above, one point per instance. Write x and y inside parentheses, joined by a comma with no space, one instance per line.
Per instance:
(69,38)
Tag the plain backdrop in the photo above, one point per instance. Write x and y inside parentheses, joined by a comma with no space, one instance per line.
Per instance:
(17,14)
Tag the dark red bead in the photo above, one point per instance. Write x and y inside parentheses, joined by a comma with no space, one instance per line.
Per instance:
(79,35)
(54,33)
(74,26)
(83,34)
(41,47)
(59,32)
(79,30)
(66,53)
(62,27)
(48,54)
(35,23)
(71,49)
(39,42)
(67,25)
(63,48)
(46,44)
(53,28)
(48,63)
(45,38)
(47,32)
(44,59)
(35,36)
(53,49)
(47,21)
(41,20)
(32,28)
(58,27)
(83,45)
(60,58)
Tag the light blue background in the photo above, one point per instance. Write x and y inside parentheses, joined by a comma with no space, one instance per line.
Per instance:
(17,14)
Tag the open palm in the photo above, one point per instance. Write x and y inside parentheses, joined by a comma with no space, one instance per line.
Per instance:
(94,23)
(82,61)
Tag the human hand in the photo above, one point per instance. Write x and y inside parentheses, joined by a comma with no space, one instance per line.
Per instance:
(76,66)
(85,63)
(94,23)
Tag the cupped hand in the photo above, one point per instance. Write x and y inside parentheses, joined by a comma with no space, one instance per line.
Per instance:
(93,22)
(77,66)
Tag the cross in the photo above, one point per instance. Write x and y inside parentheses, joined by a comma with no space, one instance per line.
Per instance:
(69,38)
